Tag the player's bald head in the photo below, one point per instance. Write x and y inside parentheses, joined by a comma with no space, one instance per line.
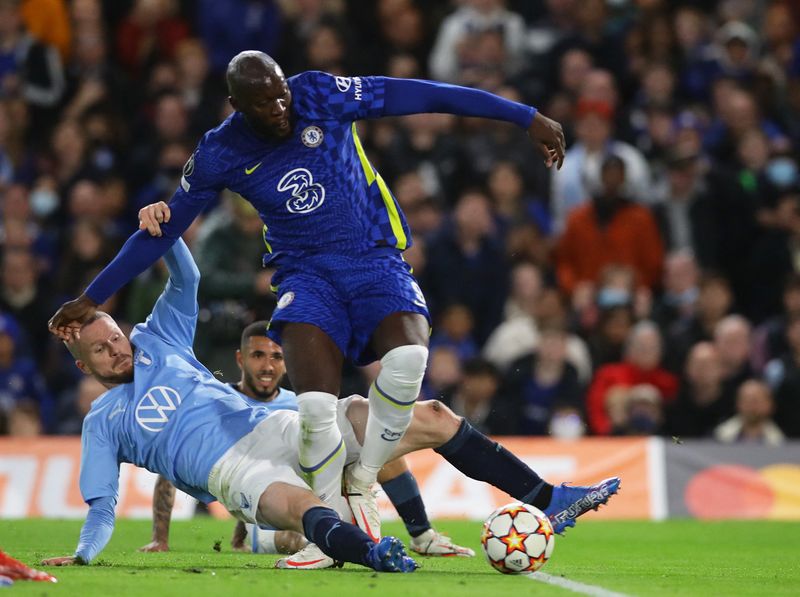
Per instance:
(250,69)
(260,92)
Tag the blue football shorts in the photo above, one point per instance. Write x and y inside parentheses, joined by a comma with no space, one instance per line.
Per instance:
(346,297)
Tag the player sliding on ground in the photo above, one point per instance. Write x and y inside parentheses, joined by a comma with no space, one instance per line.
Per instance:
(335,235)
(262,371)
(166,412)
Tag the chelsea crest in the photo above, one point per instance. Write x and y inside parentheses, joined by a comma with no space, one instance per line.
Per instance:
(311,136)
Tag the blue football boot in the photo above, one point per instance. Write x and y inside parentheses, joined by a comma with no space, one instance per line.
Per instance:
(569,502)
(389,555)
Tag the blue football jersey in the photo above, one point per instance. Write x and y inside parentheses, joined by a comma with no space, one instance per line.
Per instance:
(316,191)
(285,400)
(175,418)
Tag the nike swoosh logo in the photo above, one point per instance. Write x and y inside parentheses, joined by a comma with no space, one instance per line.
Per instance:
(299,564)
(249,171)
(366,526)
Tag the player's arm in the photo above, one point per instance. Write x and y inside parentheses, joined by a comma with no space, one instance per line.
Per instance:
(184,279)
(95,534)
(239,535)
(183,273)
(163,500)
(138,253)
(356,98)
(413,96)
(99,483)
(174,316)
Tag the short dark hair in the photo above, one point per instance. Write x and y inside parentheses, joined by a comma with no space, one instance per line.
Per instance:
(612,160)
(478,367)
(257,329)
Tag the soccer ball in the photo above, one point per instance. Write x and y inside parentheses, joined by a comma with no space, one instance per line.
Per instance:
(517,539)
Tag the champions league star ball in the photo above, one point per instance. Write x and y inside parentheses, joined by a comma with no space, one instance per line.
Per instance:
(517,539)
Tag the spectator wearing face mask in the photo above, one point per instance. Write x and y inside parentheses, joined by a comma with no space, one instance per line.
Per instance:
(681,290)
(640,365)
(637,410)
(566,423)
(539,383)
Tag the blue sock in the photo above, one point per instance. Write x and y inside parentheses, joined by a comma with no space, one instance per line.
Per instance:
(340,540)
(403,492)
(480,458)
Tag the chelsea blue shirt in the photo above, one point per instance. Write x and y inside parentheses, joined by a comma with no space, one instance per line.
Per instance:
(315,191)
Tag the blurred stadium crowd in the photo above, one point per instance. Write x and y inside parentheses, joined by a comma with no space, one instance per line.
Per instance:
(651,286)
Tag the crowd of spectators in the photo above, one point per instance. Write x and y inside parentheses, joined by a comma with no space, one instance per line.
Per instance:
(650,286)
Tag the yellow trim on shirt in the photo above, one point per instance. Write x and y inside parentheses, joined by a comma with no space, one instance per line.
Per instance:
(391,207)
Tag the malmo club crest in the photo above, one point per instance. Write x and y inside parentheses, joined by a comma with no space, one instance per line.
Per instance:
(156,406)
(311,136)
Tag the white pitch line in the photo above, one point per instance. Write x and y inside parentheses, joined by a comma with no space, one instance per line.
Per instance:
(574,586)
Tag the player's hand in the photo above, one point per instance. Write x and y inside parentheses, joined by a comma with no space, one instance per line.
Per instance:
(66,323)
(152,216)
(549,136)
(239,535)
(62,561)
(155,546)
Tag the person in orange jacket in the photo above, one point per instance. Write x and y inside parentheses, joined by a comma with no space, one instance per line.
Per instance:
(610,229)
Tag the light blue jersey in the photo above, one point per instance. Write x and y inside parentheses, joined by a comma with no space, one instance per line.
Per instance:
(175,418)
(285,400)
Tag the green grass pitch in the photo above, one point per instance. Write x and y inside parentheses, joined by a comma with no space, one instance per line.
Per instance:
(634,558)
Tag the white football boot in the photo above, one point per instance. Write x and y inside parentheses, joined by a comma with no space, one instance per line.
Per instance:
(432,543)
(308,558)
(363,503)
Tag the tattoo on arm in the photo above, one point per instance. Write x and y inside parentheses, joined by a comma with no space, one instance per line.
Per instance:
(163,499)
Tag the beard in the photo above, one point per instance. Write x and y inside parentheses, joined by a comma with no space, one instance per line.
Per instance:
(116,378)
(251,383)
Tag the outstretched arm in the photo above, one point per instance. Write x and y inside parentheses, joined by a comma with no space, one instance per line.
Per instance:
(95,533)
(184,279)
(413,96)
(163,500)
(138,253)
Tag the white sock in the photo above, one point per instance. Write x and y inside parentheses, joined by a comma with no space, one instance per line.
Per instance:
(322,452)
(262,540)
(391,405)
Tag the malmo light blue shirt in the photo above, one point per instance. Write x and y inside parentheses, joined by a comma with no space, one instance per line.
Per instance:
(285,400)
(175,418)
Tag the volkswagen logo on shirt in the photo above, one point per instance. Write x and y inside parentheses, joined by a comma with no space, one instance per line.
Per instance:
(156,407)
